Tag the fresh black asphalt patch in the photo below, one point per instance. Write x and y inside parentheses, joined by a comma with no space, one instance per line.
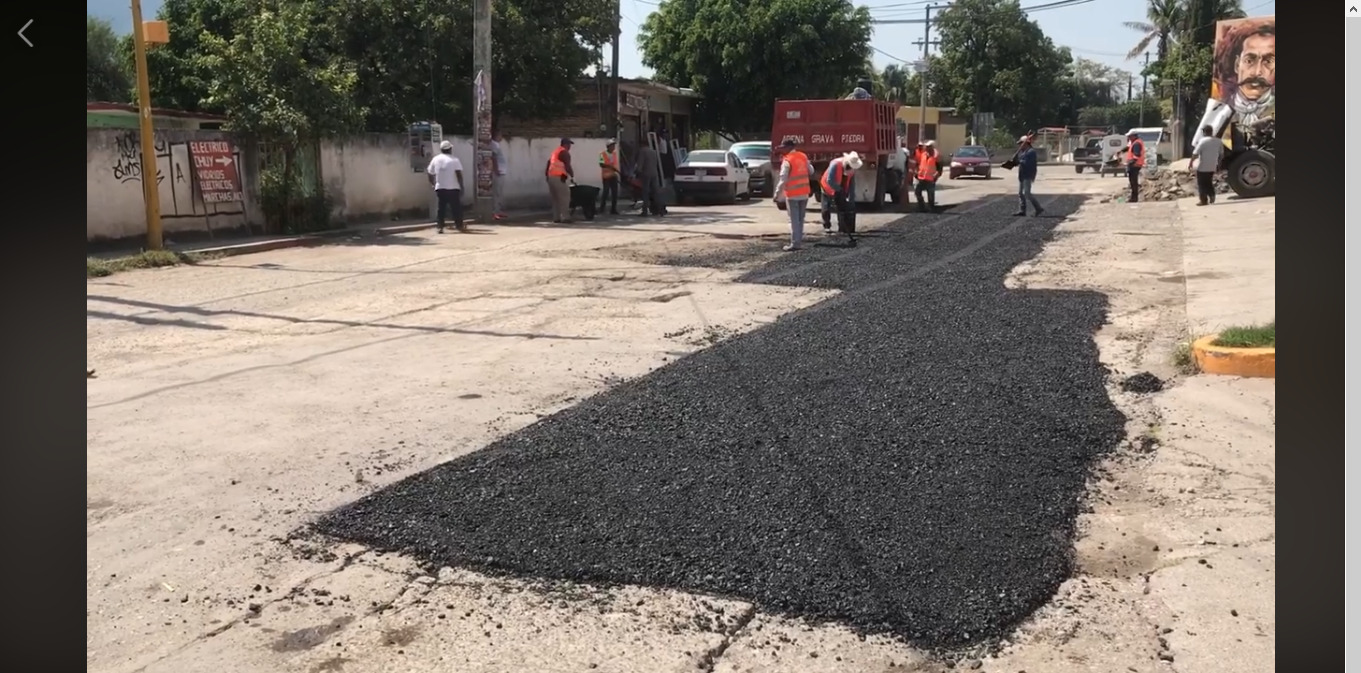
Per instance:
(906,457)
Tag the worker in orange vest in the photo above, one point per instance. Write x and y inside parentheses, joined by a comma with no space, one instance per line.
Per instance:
(1134,164)
(794,189)
(928,171)
(838,191)
(559,175)
(609,178)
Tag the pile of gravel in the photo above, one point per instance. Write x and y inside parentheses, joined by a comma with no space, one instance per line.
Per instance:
(907,457)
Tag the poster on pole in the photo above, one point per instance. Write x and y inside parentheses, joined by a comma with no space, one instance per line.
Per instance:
(215,170)
(483,163)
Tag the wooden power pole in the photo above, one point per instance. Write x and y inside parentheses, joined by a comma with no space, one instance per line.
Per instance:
(482,115)
(151,191)
(926,51)
(613,108)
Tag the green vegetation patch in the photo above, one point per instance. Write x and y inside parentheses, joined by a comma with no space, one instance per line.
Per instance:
(1255,336)
(150,259)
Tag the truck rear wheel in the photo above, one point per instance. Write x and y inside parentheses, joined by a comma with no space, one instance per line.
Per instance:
(1079,168)
(1252,174)
(880,185)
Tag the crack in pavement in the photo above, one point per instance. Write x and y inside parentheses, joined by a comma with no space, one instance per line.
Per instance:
(709,661)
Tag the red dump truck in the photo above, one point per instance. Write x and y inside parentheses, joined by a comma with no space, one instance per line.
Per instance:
(826,129)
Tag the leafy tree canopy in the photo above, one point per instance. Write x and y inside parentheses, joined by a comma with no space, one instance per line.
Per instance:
(994,59)
(742,55)
(405,60)
(278,75)
(107,76)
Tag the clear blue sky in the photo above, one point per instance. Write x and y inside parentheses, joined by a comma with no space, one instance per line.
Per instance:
(1093,30)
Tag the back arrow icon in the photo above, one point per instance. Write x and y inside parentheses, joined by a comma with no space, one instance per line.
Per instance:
(21,32)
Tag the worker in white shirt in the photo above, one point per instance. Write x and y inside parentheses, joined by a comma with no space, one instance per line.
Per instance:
(446,176)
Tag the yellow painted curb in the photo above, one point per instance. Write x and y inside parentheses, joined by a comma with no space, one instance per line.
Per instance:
(1248,362)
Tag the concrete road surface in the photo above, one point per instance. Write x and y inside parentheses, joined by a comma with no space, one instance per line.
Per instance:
(238,399)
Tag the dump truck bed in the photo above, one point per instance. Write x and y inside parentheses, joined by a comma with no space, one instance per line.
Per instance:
(825,129)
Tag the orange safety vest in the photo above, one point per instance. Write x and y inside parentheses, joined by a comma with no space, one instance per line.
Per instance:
(797,185)
(609,165)
(557,168)
(842,179)
(926,166)
(1136,160)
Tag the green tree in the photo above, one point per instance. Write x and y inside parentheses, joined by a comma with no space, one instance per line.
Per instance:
(412,59)
(1163,19)
(107,76)
(1123,116)
(741,55)
(280,81)
(179,77)
(994,59)
(896,79)
(278,77)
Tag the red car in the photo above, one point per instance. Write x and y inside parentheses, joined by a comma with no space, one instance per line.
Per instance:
(972,161)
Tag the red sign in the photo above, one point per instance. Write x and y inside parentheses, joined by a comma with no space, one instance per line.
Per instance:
(215,168)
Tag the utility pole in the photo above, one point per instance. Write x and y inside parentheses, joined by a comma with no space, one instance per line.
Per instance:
(614,72)
(926,50)
(1143,91)
(482,116)
(150,189)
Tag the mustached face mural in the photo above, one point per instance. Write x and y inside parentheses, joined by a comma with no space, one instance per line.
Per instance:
(1245,67)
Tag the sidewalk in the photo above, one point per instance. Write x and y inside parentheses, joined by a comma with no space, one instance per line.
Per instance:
(1230,263)
(1216,468)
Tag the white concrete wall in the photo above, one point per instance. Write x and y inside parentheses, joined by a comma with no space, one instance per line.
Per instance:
(369,176)
(114,207)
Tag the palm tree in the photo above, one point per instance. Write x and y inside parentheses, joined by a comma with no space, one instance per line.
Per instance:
(1171,20)
(1164,18)
(895,83)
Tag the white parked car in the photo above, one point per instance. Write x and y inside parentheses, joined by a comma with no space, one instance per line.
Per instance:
(755,155)
(712,174)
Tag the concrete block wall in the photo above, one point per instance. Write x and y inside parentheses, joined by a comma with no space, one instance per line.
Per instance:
(114,206)
(369,176)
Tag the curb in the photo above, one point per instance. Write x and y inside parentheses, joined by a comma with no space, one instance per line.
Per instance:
(275,244)
(324,237)
(1245,362)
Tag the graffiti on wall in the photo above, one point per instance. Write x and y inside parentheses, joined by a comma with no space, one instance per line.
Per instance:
(181,196)
(1245,67)
(127,163)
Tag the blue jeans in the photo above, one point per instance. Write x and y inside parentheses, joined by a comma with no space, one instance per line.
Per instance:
(798,210)
(1024,193)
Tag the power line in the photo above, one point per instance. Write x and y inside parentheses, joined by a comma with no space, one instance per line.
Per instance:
(884,53)
(1057,4)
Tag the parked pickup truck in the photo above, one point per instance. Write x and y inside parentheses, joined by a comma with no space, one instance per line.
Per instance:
(826,129)
(1088,156)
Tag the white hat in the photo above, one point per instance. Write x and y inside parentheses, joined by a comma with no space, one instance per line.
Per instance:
(446,145)
(853,160)
(930,143)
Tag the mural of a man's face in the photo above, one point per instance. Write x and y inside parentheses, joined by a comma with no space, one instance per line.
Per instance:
(1256,66)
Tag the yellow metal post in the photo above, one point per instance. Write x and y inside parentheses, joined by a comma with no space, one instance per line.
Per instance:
(150,190)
